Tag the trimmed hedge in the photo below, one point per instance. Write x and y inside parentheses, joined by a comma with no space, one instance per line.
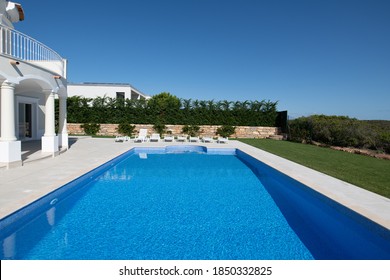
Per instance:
(165,108)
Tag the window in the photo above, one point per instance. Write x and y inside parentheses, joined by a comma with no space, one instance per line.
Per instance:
(120,95)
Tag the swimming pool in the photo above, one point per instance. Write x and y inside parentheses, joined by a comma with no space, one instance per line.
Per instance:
(189,203)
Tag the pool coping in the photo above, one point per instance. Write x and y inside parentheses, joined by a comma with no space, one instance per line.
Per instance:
(366,203)
(21,186)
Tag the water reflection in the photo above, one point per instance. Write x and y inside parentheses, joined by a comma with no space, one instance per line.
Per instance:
(51,216)
(9,247)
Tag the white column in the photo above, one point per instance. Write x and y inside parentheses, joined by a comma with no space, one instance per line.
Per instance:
(63,131)
(50,139)
(8,112)
(49,115)
(10,149)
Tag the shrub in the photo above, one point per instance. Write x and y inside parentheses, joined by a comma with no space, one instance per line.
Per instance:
(160,128)
(91,128)
(384,138)
(300,130)
(126,129)
(340,131)
(226,130)
(192,130)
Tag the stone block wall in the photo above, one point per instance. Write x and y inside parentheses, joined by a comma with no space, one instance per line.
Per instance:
(205,130)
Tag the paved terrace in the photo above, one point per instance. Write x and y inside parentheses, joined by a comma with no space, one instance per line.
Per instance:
(39,176)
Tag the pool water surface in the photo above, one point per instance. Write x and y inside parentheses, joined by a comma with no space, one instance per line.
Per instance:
(153,205)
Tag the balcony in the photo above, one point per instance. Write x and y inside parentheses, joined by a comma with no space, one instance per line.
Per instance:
(18,46)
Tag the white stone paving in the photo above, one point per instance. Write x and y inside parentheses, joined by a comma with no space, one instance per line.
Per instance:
(21,186)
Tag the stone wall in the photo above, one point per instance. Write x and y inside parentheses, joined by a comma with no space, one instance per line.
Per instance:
(205,130)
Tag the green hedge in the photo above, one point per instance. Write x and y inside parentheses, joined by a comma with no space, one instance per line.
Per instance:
(165,108)
(341,131)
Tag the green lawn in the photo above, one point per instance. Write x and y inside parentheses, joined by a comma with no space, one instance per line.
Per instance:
(366,172)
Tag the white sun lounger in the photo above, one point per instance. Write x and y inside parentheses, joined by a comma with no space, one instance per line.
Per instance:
(155,137)
(142,136)
(222,140)
(194,139)
(207,139)
(181,138)
(168,138)
(119,138)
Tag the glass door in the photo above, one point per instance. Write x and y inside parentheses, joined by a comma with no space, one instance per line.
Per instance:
(25,121)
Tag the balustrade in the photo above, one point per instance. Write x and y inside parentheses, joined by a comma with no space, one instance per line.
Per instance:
(19,46)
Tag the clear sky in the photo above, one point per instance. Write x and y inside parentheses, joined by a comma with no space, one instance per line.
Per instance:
(312,56)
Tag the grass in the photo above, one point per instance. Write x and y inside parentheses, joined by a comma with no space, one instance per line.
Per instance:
(366,172)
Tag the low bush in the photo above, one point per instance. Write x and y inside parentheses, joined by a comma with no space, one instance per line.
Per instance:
(126,129)
(384,139)
(226,130)
(340,131)
(191,130)
(91,128)
(160,128)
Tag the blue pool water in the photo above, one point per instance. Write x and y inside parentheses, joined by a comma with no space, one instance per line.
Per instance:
(172,204)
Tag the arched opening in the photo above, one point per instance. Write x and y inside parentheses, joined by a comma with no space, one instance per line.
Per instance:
(35,114)
(30,109)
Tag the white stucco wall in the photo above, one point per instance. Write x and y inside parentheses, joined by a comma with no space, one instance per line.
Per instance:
(100,90)
(30,82)
(27,91)
(9,13)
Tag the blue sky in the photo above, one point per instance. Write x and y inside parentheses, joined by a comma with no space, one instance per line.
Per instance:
(312,56)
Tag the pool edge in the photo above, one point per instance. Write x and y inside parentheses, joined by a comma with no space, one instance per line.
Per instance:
(368,204)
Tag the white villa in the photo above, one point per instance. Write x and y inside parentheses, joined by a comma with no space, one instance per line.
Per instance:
(113,90)
(31,77)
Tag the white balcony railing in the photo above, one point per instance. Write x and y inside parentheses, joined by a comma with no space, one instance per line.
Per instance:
(22,47)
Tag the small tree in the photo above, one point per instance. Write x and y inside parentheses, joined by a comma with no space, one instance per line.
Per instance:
(126,129)
(164,107)
(160,128)
(91,128)
(192,130)
(226,130)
